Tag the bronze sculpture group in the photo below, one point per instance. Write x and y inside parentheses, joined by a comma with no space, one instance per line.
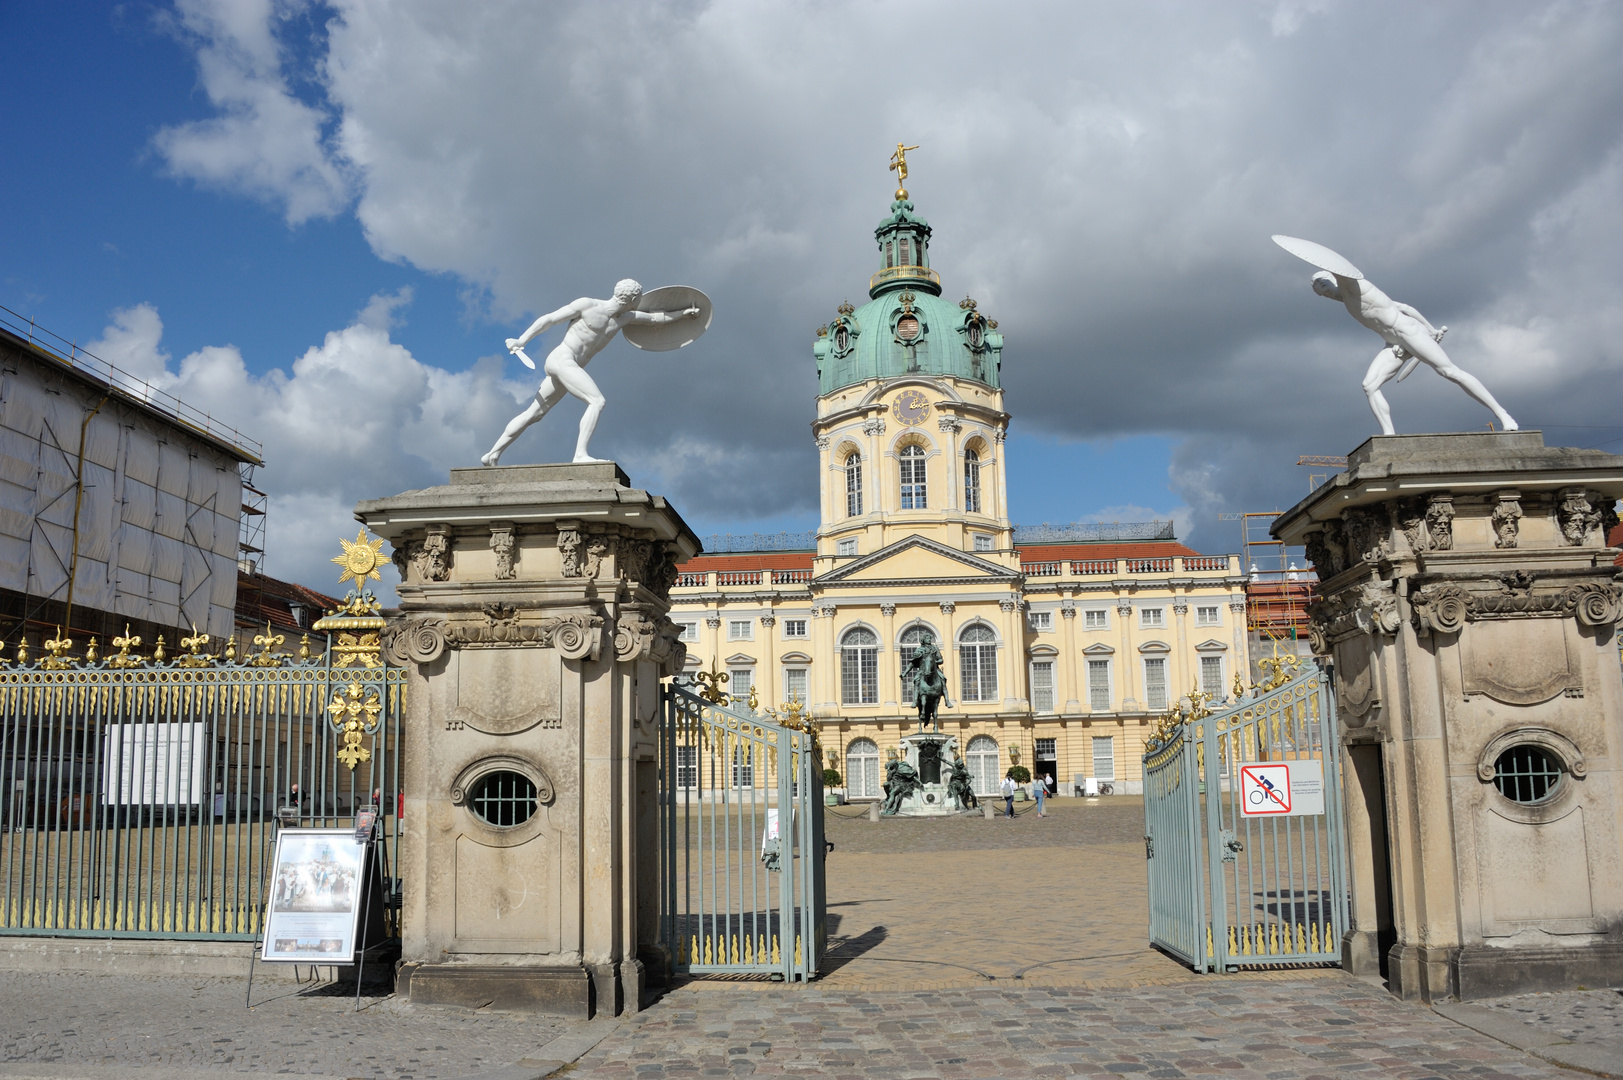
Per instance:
(926,675)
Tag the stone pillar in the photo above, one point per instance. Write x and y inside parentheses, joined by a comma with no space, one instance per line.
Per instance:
(534,604)
(1073,689)
(1469,608)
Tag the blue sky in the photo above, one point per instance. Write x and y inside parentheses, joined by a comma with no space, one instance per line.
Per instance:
(320,221)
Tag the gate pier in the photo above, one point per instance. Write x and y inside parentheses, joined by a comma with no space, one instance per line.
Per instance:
(1470,605)
(535,631)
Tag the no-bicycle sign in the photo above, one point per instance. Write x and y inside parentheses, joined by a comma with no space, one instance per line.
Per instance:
(1282,789)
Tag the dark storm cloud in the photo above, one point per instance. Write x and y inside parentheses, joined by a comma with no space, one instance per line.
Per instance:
(1103,178)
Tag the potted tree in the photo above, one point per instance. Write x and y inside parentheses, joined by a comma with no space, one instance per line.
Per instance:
(831,780)
(1020,775)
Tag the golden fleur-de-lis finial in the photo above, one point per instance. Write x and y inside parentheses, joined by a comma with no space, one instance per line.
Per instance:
(361,559)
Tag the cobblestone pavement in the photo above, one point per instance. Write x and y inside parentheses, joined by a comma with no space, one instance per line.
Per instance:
(1585,1016)
(1070,823)
(1302,1029)
(166,1022)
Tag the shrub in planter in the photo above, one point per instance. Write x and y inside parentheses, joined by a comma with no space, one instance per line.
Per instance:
(1019,774)
(832,778)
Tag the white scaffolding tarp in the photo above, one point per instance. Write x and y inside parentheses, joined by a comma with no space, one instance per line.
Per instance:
(158,515)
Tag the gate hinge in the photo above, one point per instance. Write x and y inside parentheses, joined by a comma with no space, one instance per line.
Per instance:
(1149,847)
(1231,846)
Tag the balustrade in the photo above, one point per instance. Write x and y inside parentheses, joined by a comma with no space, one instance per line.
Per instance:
(738,577)
(1093,567)
(697,580)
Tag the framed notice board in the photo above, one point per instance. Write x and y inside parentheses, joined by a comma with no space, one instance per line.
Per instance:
(322,880)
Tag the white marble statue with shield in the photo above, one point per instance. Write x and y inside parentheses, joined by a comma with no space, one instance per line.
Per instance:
(1410,338)
(659,321)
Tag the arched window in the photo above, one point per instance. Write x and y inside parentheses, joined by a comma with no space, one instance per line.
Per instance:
(982,760)
(977,661)
(913,478)
(862,769)
(910,638)
(859,667)
(853,486)
(972,482)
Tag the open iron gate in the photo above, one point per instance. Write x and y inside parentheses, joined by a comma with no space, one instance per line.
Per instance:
(1244,832)
(741,795)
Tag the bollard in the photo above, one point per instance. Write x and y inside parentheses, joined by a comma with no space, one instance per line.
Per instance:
(873,811)
(986,808)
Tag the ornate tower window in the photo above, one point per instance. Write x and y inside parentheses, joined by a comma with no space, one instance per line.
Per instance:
(972,482)
(913,497)
(853,486)
(977,662)
(859,667)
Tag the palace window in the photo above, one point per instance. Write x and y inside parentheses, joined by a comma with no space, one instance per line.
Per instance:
(794,684)
(983,542)
(1152,617)
(890,253)
(913,478)
(740,630)
(1206,616)
(687,766)
(982,758)
(862,770)
(972,482)
(853,486)
(1155,682)
(1041,621)
(743,766)
(1104,757)
(1047,750)
(846,546)
(794,628)
(907,252)
(859,667)
(977,663)
(1099,685)
(1211,676)
(690,631)
(1095,620)
(738,684)
(1042,689)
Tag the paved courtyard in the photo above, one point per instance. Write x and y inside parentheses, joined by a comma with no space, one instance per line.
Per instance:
(961,948)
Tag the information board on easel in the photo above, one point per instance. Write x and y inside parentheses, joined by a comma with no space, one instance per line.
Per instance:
(326,903)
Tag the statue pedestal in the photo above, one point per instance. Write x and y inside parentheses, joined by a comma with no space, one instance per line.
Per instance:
(1469,605)
(534,601)
(931,754)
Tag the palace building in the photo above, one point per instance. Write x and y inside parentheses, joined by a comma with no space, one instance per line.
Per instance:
(1062,646)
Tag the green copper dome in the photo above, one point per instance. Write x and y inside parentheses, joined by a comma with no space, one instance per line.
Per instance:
(906,328)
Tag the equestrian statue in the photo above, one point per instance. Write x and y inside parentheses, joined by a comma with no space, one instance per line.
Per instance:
(929,681)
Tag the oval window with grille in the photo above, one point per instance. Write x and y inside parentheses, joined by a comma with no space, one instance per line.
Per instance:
(503,798)
(907,328)
(1527,774)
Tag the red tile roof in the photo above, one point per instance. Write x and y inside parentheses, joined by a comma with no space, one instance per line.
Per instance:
(750,560)
(261,599)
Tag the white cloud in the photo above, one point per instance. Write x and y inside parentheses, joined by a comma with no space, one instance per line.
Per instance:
(263,142)
(355,417)
(1102,177)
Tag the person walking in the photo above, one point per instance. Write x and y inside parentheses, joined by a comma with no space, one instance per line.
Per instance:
(1009,788)
(1039,788)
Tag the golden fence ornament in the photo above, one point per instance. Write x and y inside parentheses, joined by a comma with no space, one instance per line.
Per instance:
(711,683)
(354,712)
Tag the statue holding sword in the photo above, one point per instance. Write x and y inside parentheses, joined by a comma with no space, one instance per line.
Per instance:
(1410,338)
(592,325)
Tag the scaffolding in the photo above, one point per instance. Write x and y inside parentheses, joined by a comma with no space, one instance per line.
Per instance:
(1279,584)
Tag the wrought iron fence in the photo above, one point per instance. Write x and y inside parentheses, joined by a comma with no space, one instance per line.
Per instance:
(142,793)
(742,874)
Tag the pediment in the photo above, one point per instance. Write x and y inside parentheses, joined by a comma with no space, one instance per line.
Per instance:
(795,658)
(1210,645)
(1155,647)
(1043,650)
(739,659)
(917,558)
(1098,650)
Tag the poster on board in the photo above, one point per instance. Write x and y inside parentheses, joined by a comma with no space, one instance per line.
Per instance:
(318,884)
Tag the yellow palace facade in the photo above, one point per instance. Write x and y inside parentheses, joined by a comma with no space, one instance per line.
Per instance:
(1062,646)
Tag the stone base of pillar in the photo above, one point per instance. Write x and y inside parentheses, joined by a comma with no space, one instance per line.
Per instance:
(1486,972)
(560,991)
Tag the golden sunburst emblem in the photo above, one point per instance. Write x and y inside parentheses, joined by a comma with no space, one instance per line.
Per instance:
(361,559)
